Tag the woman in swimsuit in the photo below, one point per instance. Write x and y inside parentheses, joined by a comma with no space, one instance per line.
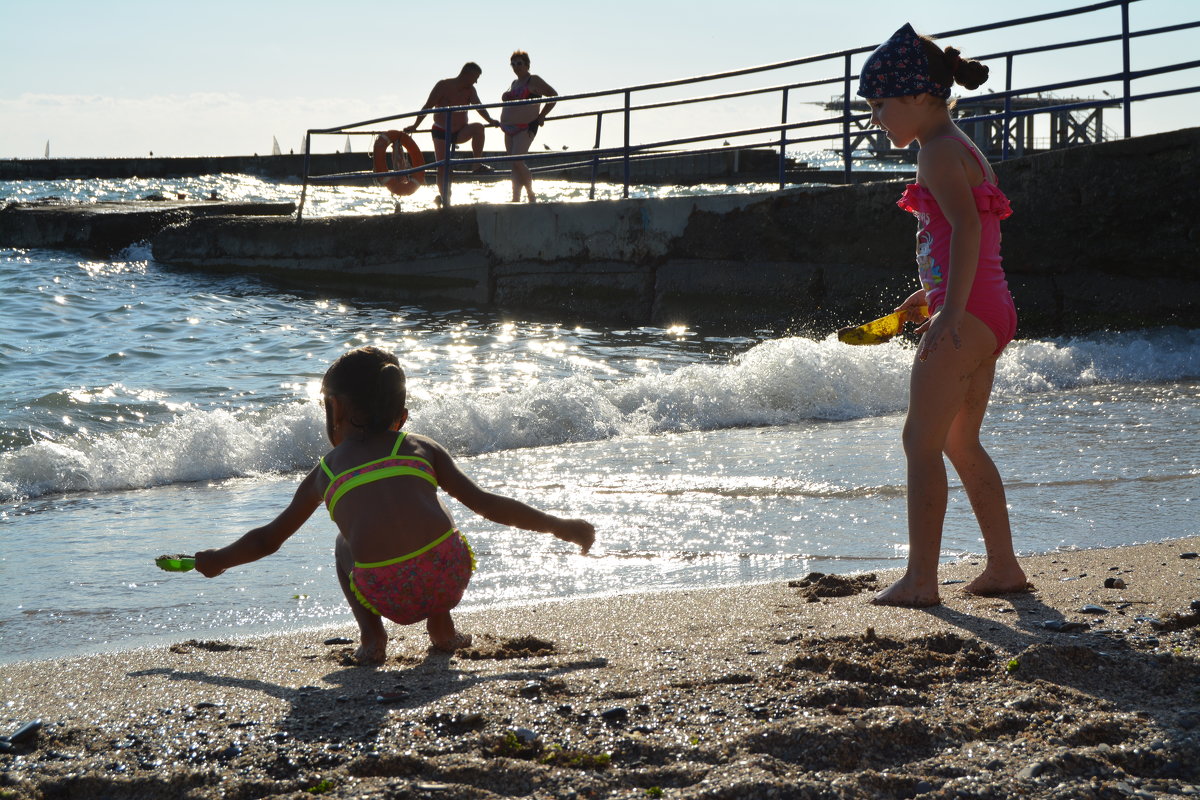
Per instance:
(399,554)
(958,204)
(520,122)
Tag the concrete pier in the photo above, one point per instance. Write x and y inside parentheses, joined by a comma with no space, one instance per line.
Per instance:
(1102,237)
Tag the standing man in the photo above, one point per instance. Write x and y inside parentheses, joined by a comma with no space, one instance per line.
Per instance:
(456,91)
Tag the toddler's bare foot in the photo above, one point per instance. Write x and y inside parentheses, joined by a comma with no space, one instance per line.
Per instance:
(456,642)
(443,635)
(371,654)
(905,592)
(999,580)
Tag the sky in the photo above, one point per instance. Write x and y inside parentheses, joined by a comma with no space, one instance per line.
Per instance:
(123,78)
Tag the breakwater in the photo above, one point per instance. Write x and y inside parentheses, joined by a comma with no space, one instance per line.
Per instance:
(728,164)
(1103,236)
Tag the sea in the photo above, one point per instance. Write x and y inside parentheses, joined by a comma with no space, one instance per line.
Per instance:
(148,410)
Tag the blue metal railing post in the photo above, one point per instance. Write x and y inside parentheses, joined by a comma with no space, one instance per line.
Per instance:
(1125,66)
(626,151)
(596,158)
(783,139)
(304,187)
(1014,109)
(1005,148)
(448,151)
(846,155)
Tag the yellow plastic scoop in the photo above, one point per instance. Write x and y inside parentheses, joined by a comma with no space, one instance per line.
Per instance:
(878,331)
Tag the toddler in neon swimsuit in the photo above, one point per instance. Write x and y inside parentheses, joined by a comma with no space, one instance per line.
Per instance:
(399,554)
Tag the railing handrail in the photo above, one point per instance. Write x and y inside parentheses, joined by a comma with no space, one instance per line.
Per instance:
(849,125)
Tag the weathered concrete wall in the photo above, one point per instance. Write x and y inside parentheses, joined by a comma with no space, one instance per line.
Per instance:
(1106,236)
(107,228)
(435,256)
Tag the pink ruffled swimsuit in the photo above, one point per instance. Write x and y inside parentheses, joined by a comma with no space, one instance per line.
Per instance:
(989,299)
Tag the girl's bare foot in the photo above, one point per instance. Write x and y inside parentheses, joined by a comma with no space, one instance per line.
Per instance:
(905,592)
(999,580)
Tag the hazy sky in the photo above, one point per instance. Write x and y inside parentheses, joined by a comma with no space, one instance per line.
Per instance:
(177,77)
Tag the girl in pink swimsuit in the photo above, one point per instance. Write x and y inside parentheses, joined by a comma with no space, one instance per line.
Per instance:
(399,554)
(959,206)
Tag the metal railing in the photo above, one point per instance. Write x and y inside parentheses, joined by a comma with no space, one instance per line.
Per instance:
(843,130)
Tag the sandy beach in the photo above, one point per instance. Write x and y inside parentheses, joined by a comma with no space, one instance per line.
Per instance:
(1086,687)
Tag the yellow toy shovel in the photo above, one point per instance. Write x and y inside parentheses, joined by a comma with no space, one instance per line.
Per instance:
(878,331)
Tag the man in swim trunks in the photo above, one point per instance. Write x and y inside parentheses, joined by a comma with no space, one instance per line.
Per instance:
(456,91)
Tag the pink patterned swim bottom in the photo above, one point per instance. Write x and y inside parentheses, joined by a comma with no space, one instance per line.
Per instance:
(413,587)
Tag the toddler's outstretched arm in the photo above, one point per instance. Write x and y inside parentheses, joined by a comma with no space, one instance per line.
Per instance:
(506,510)
(265,540)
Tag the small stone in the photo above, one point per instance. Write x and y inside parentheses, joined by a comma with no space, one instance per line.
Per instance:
(923,787)
(229,753)
(1093,609)
(1196,605)
(27,733)
(524,735)
(1064,626)
(1114,583)
(338,640)
(1189,720)
(391,697)
(1031,771)
(614,716)
(531,689)
(1189,555)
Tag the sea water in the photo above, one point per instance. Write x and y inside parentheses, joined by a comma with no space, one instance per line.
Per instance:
(146,410)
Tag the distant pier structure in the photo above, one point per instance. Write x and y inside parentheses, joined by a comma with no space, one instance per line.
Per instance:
(1072,122)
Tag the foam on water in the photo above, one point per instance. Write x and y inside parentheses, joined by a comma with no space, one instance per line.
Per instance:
(778,382)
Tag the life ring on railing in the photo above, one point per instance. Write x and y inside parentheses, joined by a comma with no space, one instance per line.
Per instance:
(410,156)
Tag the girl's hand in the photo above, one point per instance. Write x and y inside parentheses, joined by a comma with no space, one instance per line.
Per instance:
(205,565)
(913,302)
(936,329)
(575,531)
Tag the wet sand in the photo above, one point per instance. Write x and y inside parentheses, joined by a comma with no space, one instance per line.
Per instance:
(790,691)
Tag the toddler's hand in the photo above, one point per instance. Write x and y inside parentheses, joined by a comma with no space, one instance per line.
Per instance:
(576,531)
(205,565)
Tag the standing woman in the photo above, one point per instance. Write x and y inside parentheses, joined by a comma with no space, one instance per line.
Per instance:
(520,122)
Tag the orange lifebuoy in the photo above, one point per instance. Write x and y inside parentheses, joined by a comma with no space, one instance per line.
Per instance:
(404,184)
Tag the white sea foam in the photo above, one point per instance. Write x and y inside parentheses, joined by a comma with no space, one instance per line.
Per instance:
(777,382)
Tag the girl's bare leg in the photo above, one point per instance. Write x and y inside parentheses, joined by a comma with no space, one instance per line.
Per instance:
(373,637)
(443,635)
(937,393)
(985,489)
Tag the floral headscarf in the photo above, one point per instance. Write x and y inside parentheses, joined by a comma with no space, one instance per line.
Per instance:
(898,67)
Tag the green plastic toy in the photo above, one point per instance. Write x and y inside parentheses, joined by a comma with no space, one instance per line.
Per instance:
(179,563)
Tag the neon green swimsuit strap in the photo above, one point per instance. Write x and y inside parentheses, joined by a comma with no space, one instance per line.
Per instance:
(395,449)
(390,466)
